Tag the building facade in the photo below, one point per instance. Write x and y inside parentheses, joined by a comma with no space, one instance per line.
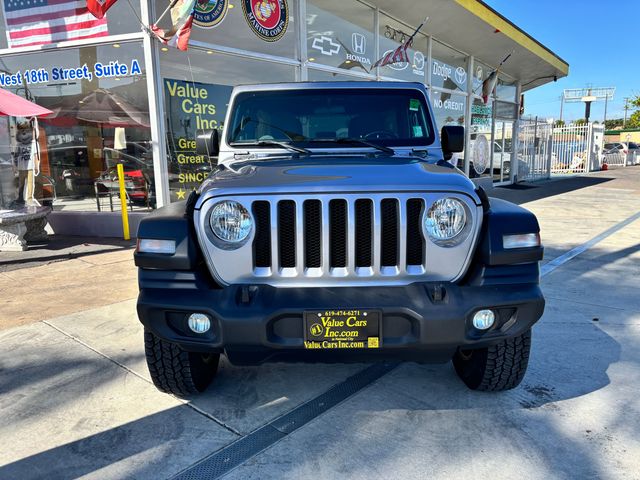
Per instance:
(120,96)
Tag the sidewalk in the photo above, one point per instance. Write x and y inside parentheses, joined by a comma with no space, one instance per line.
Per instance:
(64,277)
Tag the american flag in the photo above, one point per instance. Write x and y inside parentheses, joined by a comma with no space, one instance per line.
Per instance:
(40,22)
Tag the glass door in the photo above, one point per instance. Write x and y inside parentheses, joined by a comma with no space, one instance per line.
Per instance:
(502,150)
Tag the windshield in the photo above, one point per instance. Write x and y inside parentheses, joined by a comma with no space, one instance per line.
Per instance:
(322,117)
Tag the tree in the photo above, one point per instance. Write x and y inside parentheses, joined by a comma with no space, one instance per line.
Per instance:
(580,121)
(613,123)
(634,120)
(559,123)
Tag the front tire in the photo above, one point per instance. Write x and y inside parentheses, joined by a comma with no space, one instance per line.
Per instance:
(495,368)
(177,371)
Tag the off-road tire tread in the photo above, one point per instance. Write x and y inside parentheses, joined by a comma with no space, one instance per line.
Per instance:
(505,365)
(169,366)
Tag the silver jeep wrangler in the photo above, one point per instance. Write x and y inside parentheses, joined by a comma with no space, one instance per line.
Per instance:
(333,229)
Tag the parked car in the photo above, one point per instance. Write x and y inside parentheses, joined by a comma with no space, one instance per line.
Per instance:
(620,147)
(333,230)
(619,152)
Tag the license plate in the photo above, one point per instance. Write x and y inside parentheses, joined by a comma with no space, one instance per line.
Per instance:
(339,329)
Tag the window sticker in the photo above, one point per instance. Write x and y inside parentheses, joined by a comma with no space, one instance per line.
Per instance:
(414,104)
(417,131)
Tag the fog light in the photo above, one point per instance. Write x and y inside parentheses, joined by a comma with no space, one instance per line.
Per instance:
(199,323)
(484,319)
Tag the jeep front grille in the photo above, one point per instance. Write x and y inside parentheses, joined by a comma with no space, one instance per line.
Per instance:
(379,231)
(337,240)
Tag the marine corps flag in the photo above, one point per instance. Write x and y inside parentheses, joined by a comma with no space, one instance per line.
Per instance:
(181,23)
(98,8)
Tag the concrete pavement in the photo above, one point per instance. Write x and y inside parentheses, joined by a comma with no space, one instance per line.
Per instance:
(77,401)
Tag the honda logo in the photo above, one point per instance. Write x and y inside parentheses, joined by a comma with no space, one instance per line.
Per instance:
(359,43)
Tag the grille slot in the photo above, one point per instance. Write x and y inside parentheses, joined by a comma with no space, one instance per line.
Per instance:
(338,233)
(364,233)
(287,233)
(312,234)
(415,242)
(389,232)
(262,240)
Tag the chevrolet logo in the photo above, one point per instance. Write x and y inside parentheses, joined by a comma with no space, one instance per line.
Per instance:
(325,45)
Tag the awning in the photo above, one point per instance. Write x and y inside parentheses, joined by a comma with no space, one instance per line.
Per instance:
(476,29)
(15,106)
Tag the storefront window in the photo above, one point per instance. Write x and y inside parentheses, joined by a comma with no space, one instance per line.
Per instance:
(506,89)
(448,108)
(480,72)
(448,68)
(340,34)
(196,99)
(324,76)
(392,35)
(101,119)
(19,26)
(261,26)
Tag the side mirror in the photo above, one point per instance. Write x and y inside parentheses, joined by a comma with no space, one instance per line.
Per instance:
(208,143)
(452,139)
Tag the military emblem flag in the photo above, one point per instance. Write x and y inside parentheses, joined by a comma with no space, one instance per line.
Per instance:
(399,55)
(182,12)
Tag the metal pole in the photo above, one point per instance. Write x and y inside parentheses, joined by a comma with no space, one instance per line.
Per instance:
(606,100)
(561,105)
(468,110)
(123,203)
(535,147)
(587,112)
(156,113)
(626,107)
(515,141)
(588,153)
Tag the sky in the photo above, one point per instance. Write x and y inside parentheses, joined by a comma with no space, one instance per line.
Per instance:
(599,39)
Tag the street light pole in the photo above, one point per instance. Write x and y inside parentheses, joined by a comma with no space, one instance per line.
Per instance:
(626,107)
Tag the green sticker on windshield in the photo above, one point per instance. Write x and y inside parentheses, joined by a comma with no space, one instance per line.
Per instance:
(414,104)
(417,131)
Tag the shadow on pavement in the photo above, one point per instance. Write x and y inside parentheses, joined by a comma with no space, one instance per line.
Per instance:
(60,248)
(531,191)
(155,439)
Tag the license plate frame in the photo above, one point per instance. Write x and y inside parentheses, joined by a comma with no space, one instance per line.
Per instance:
(340,329)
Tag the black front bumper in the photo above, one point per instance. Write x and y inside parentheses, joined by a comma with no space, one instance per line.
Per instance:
(423,322)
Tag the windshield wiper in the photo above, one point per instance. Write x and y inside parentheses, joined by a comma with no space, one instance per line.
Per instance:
(273,143)
(364,142)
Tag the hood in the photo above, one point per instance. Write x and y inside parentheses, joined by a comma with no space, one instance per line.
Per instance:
(335,174)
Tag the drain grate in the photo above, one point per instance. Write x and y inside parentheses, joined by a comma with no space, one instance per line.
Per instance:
(236,453)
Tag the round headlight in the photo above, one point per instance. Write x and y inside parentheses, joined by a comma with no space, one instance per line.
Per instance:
(230,221)
(445,220)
